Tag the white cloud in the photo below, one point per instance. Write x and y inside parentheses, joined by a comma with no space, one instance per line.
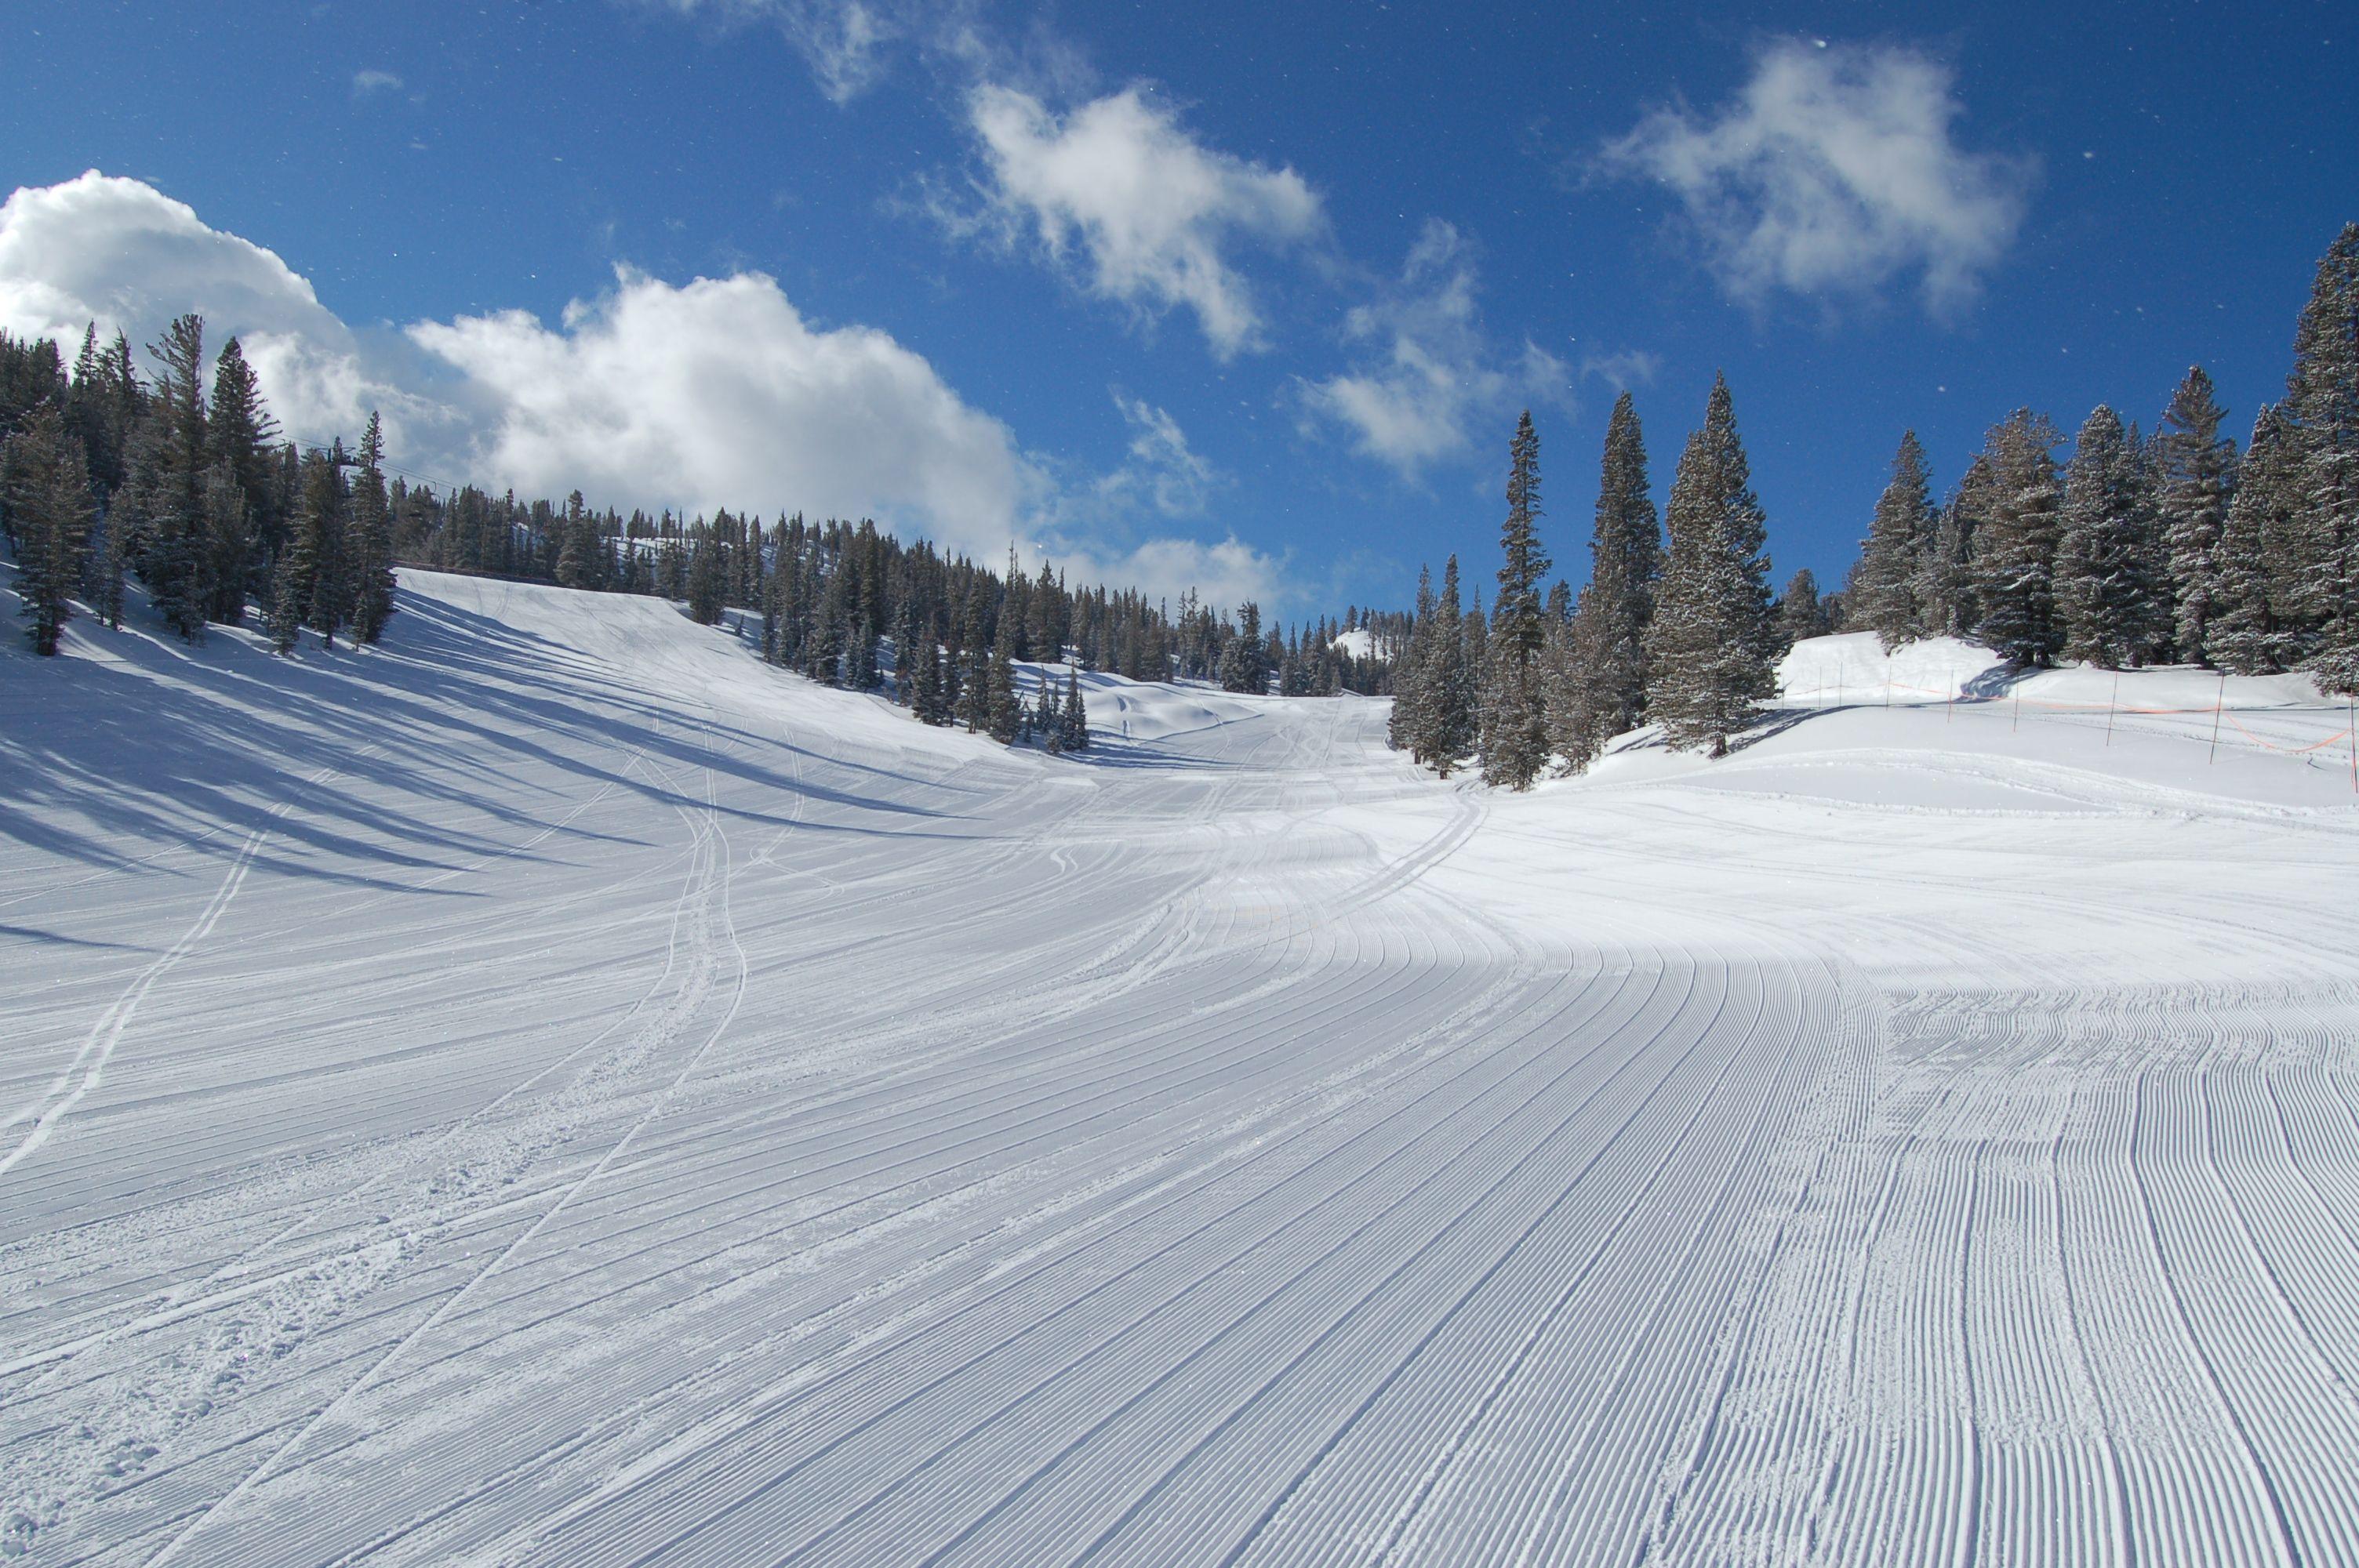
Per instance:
(717,392)
(1145,213)
(367,82)
(1161,469)
(1431,370)
(122,254)
(844,42)
(1835,170)
(1621,367)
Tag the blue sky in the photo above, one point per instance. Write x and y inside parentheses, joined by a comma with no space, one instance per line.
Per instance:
(1141,280)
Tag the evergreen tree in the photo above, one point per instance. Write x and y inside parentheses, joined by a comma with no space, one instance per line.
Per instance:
(2113,606)
(1945,582)
(705,583)
(1601,673)
(2322,401)
(2015,540)
(1077,713)
(1003,708)
(1513,699)
(2253,628)
(1405,725)
(1713,645)
(1449,722)
(106,568)
(50,511)
(1888,587)
(372,540)
(1244,664)
(310,556)
(1801,613)
(238,434)
(168,464)
(2196,474)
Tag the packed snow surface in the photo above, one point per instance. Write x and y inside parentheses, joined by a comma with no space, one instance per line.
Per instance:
(553,1091)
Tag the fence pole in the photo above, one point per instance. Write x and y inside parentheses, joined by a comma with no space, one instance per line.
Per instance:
(1949,702)
(2218,703)
(2111,703)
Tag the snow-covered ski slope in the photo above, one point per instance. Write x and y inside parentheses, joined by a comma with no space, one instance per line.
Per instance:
(554,1091)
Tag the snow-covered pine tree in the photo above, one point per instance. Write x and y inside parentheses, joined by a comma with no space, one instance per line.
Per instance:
(2195,475)
(294,588)
(1449,723)
(2259,569)
(1888,586)
(2016,538)
(1243,662)
(372,539)
(1801,613)
(167,482)
(1003,710)
(1605,641)
(2111,607)
(1404,727)
(1712,650)
(1077,713)
(1945,583)
(2323,400)
(1514,701)
(239,431)
(50,511)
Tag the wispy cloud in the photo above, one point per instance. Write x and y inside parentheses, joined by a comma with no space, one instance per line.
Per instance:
(365,82)
(1137,210)
(1428,368)
(1836,169)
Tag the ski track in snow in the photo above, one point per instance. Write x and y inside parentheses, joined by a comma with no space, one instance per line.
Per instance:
(552,1091)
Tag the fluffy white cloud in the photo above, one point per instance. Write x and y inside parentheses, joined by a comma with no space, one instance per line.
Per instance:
(718,393)
(1432,369)
(1835,170)
(122,254)
(1145,212)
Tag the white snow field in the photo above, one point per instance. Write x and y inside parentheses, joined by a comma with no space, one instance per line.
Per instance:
(555,1091)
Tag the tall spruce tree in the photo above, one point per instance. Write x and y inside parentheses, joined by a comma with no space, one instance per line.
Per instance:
(1602,670)
(370,533)
(1945,584)
(2323,401)
(2195,475)
(1405,725)
(167,485)
(239,431)
(1888,587)
(1713,648)
(2254,625)
(309,558)
(50,511)
(1515,739)
(1449,727)
(2114,608)
(2016,539)
(1003,708)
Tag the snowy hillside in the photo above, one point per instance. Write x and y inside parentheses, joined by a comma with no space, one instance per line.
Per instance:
(1359,643)
(554,1090)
